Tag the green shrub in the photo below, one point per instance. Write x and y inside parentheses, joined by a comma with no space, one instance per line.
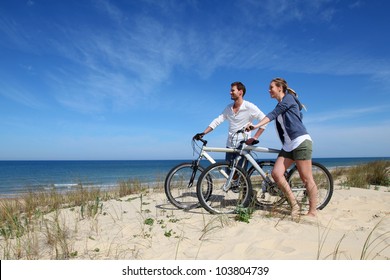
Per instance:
(244,214)
(374,173)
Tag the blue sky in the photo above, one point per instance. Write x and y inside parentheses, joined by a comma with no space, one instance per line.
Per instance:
(110,79)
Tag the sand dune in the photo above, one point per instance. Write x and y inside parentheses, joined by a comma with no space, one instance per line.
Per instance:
(339,232)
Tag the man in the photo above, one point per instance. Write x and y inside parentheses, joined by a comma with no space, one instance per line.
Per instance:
(239,114)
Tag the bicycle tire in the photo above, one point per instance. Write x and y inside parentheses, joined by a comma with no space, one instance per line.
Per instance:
(262,198)
(324,182)
(220,201)
(177,185)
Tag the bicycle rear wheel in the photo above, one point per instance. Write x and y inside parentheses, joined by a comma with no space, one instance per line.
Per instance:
(324,182)
(180,185)
(223,201)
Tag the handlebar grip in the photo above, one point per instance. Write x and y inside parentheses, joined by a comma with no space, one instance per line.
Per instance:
(198,136)
(254,142)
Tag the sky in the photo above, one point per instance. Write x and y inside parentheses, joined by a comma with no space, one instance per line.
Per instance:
(135,80)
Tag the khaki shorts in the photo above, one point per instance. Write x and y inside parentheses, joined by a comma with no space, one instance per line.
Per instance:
(302,152)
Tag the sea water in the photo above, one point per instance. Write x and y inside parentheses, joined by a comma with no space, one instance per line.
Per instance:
(21,176)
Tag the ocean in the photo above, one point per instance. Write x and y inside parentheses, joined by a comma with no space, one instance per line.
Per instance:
(20,176)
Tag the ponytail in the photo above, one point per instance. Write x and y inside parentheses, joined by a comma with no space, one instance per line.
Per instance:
(292,92)
(282,83)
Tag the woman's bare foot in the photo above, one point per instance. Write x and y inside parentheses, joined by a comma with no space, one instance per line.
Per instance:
(311,214)
(310,217)
(295,209)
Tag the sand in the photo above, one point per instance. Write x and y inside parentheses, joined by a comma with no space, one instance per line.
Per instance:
(147,227)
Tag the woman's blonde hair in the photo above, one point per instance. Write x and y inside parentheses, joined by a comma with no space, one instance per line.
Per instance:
(280,82)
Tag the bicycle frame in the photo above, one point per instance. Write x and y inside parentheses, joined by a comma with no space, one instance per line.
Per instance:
(245,151)
(204,153)
(241,150)
(236,150)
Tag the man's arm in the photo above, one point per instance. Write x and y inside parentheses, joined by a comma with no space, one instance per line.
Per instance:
(207,130)
(255,137)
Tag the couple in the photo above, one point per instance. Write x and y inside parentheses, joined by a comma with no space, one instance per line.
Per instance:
(297,144)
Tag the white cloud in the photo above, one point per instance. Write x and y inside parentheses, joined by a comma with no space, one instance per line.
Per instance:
(20,95)
(139,51)
(345,114)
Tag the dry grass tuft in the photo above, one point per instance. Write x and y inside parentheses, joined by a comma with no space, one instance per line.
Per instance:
(375,173)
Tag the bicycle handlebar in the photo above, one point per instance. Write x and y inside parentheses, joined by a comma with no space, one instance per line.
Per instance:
(243,130)
(198,137)
(254,142)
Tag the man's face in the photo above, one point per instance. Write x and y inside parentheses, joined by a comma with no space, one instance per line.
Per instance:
(235,93)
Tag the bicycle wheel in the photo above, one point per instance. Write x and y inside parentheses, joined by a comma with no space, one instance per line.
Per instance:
(324,182)
(221,201)
(180,185)
(265,193)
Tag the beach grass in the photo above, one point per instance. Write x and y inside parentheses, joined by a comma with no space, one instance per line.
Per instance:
(376,173)
(376,241)
(21,218)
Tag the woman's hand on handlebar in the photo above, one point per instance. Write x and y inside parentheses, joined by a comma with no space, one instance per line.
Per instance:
(249,127)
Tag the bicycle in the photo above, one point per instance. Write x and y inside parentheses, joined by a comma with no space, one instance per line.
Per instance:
(180,179)
(232,186)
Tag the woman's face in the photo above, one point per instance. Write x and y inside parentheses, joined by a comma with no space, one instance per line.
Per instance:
(274,90)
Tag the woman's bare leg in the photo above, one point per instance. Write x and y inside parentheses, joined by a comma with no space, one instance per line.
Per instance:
(306,174)
(278,171)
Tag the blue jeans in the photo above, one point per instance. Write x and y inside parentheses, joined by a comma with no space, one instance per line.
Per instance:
(231,156)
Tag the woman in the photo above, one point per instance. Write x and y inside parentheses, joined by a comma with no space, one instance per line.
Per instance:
(297,144)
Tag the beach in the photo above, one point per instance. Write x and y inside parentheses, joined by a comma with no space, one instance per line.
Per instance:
(354,225)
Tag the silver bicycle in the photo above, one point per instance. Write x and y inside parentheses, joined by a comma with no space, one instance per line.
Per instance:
(180,182)
(228,186)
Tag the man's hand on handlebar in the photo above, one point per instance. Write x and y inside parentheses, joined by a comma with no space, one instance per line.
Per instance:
(198,136)
(251,141)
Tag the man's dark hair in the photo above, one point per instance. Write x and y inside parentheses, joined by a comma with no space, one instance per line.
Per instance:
(240,86)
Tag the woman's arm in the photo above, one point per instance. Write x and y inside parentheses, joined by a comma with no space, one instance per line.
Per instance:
(264,121)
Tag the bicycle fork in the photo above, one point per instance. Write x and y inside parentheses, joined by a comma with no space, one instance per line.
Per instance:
(194,167)
(230,178)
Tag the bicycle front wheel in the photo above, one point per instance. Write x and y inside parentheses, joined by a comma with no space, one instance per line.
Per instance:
(180,185)
(323,180)
(226,197)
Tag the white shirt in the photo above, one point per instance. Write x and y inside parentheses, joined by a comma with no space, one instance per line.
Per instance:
(289,144)
(248,112)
